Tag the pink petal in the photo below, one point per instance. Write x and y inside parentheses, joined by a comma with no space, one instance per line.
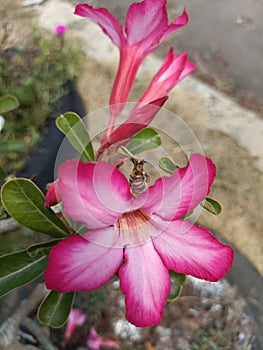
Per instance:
(145,23)
(75,264)
(95,341)
(174,196)
(53,195)
(193,250)
(146,27)
(130,60)
(76,318)
(108,343)
(188,69)
(175,25)
(93,193)
(110,26)
(173,69)
(145,281)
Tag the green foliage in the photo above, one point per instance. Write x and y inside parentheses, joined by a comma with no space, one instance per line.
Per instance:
(75,130)
(19,268)
(211,205)
(177,283)
(43,248)
(144,140)
(24,201)
(35,73)
(55,308)
(12,146)
(167,165)
(8,103)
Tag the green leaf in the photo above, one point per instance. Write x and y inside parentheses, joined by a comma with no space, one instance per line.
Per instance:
(144,140)
(12,146)
(75,130)
(177,283)
(19,268)
(43,248)
(8,103)
(211,205)
(186,215)
(55,308)
(167,165)
(24,201)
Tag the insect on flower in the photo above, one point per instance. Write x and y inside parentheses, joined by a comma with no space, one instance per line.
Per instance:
(138,177)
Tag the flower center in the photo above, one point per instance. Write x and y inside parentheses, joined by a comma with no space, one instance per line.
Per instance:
(135,228)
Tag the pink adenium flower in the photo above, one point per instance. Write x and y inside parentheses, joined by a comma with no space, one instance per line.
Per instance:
(95,341)
(146,27)
(61,29)
(140,238)
(76,318)
(174,69)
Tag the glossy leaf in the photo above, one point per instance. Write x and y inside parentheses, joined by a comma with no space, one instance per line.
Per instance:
(123,151)
(144,140)
(167,165)
(24,201)
(8,103)
(55,308)
(43,248)
(12,146)
(211,205)
(75,130)
(177,283)
(17,269)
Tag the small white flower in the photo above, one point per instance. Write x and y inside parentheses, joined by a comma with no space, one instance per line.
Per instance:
(2,122)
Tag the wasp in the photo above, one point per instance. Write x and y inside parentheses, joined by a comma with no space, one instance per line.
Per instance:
(138,177)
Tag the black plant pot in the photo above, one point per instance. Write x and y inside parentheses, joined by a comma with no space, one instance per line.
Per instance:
(42,159)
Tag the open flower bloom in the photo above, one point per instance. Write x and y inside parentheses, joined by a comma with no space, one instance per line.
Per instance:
(146,27)
(76,318)
(140,238)
(95,341)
